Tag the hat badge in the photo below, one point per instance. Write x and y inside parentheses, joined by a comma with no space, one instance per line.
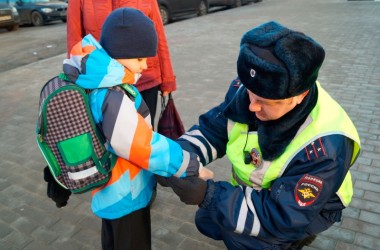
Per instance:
(253,73)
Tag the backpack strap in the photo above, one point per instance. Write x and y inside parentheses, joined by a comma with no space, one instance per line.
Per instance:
(64,77)
(129,89)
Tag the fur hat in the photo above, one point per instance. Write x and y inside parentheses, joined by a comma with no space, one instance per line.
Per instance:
(128,33)
(277,63)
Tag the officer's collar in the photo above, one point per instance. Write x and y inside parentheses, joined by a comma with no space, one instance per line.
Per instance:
(274,136)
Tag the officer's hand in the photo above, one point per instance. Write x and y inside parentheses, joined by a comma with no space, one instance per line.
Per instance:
(55,191)
(191,190)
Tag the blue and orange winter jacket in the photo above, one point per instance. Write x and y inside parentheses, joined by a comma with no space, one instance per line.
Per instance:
(125,122)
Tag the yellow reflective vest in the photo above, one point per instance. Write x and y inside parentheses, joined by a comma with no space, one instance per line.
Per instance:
(327,118)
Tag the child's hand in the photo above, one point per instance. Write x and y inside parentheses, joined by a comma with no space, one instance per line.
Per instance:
(205,174)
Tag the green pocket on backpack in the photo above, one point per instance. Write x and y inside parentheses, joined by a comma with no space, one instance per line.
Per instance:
(77,150)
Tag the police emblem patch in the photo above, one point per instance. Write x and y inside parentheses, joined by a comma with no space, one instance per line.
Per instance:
(307,190)
(256,157)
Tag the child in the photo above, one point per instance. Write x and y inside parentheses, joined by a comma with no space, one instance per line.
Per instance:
(128,38)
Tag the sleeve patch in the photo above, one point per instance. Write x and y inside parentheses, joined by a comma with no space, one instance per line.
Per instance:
(236,83)
(307,190)
(315,150)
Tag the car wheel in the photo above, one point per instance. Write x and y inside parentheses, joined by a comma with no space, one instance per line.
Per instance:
(202,10)
(164,15)
(37,19)
(13,28)
(64,19)
(237,3)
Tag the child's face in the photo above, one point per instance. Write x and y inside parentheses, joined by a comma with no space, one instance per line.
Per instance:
(135,65)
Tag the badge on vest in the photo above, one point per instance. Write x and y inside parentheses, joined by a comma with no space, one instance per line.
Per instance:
(307,190)
(253,157)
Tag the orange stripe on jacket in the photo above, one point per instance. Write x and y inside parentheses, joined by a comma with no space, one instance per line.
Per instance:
(141,148)
(78,50)
(122,165)
(129,77)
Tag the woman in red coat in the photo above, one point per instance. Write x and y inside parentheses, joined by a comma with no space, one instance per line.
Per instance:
(87,17)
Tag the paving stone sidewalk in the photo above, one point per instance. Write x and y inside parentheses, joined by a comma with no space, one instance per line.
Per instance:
(204,52)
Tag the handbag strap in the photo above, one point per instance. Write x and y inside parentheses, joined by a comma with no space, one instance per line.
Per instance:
(164,102)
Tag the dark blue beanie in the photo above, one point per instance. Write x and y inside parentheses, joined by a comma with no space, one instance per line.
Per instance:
(277,63)
(128,33)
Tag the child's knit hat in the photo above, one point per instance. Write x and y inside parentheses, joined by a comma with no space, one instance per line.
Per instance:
(277,63)
(128,33)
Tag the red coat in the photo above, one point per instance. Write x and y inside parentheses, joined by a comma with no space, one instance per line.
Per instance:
(87,16)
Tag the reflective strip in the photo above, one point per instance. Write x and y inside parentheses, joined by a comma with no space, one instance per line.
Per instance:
(242,218)
(230,125)
(256,222)
(237,179)
(82,174)
(184,165)
(199,133)
(304,125)
(198,143)
(257,175)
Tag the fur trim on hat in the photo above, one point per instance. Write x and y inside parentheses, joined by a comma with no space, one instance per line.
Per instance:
(277,63)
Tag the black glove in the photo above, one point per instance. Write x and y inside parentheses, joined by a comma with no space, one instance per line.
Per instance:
(55,191)
(191,190)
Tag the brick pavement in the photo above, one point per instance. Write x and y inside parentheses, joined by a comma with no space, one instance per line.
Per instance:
(204,51)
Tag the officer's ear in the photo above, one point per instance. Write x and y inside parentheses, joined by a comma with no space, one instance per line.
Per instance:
(300,97)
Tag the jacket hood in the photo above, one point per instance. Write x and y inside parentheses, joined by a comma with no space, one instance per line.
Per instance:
(90,67)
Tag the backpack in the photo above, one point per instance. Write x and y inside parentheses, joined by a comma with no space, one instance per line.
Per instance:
(69,139)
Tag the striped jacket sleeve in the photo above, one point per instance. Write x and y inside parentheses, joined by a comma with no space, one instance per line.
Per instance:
(125,122)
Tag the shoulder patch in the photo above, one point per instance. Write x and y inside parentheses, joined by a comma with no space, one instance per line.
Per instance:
(307,190)
(315,149)
(236,83)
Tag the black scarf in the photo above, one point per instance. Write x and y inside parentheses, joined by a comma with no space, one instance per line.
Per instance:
(274,136)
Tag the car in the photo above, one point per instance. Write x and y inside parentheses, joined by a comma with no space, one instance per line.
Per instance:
(175,9)
(9,17)
(229,3)
(40,12)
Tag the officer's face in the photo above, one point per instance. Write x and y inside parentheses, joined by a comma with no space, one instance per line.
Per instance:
(269,110)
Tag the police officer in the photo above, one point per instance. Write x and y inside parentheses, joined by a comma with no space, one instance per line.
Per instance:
(290,144)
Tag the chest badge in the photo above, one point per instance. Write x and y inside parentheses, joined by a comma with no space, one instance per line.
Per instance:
(253,157)
(256,157)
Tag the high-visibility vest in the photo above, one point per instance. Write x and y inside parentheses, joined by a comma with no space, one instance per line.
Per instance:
(327,118)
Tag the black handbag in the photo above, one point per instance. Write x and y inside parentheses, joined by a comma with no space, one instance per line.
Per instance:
(170,123)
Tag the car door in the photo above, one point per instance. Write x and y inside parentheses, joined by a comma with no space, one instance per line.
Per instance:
(22,11)
(189,6)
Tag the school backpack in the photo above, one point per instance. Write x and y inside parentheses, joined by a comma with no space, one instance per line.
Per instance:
(70,141)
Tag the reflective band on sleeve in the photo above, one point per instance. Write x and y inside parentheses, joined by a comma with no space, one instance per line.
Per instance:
(256,222)
(185,164)
(199,133)
(82,174)
(198,143)
(242,218)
